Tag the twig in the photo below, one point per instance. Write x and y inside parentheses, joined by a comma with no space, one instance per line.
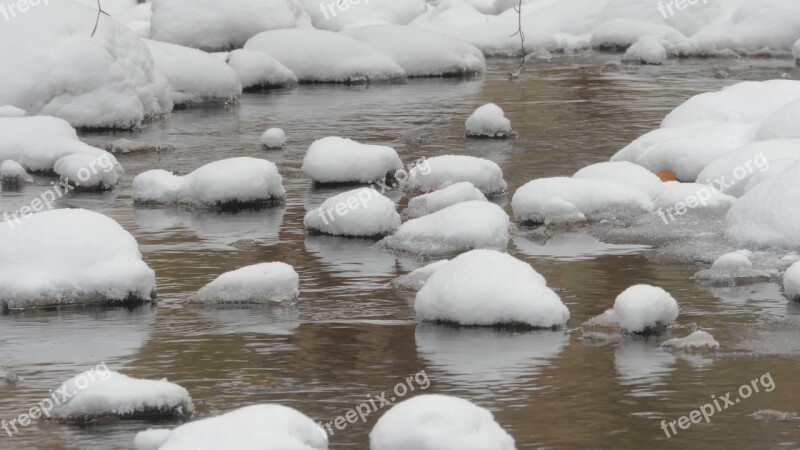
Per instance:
(97,21)
(521,33)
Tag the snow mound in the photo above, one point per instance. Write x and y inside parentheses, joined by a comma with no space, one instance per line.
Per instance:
(338,160)
(90,171)
(782,124)
(796,51)
(273,138)
(105,81)
(70,256)
(488,121)
(257,284)
(361,212)
(438,422)
(647,50)
(733,262)
(455,229)
(420,52)
(13,174)
(105,393)
(569,200)
(791,282)
(326,57)
(257,427)
(207,25)
(644,309)
(693,195)
(442,171)
(490,288)
(624,173)
(229,183)
(699,340)
(438,200)
(732,172)
(414,280)
(337,17)
(194,75)
(12,111)
(257,70)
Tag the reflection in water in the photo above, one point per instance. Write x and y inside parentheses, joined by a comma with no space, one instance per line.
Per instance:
(573,246)
(643,366)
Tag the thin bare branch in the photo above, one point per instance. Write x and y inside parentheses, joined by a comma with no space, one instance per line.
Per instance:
(521,34)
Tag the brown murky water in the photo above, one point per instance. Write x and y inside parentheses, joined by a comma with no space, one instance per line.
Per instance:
(352,335)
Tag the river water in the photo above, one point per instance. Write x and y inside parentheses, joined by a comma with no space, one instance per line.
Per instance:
(352,335)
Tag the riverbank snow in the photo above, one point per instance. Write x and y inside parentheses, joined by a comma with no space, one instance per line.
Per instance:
(338,160)
(442,171)
(257,70)
(360,212)
(488,121)
(490,288)
(229,183)
(438,422)
(264,283)
(645,309)
(425,204)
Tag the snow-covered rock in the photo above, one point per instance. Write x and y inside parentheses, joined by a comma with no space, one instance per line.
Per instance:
(235,182)
(442,171)
(256,427)
(414,280)
(437,200)
(13,174)
(105,81)
(101,393)
(360,212)
(568,200)
(488,121)
(643,308)
(732,262)
(438,422)
(647,50)
(729,269)
(490,288)
(796,51)
(194,75)
(258,70)
(699,340)
(273,138)
(624,173)
(264,283)
(781,124)
(338,160)
(89,171)
(693,195)
(456,229)
(208,25)
(12,111)
(791,282)
(337,16)
(733,171)
(70,256)
(325,57)
(420,52)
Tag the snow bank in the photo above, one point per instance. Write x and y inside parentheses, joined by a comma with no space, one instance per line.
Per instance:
(273,138)
(70,256)
(488,121)
(435,201)
(624,173)
(442,171)
(455,229)
(336,17)
(338,160)
(791,282)
(490,288)
(326,57)
(12,174)
(194,75)
(209,25)
(257,427)
(565,200)
(414,280)
(699,340)
(257,70)
(260,283)
(420,52)
(361,212)
(647,50)
(105,81)
(12,111)
(105,393)
(234,182)
(438,422)
(644,309)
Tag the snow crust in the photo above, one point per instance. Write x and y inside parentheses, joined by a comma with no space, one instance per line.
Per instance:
(338,160)
(264,283)
(442,171)
(360,212)
(435,201)
(643,308)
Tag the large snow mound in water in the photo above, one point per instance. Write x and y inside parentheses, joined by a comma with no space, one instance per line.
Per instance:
(644,308)
(104,393)
(260,283)
(242,181)
(341,15)
(438,422)
(91,170)
(488,121)
(420,52)
(490,288)
(565,200)
(211,25)
(337,160)
(624,173)
(455,229)
(437,200)
(194,75)
(442,171)
(767,215)
(259,70)
(257,427)
(70,256)
(52,66)
(326,57)
(791,282)
(361,212)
